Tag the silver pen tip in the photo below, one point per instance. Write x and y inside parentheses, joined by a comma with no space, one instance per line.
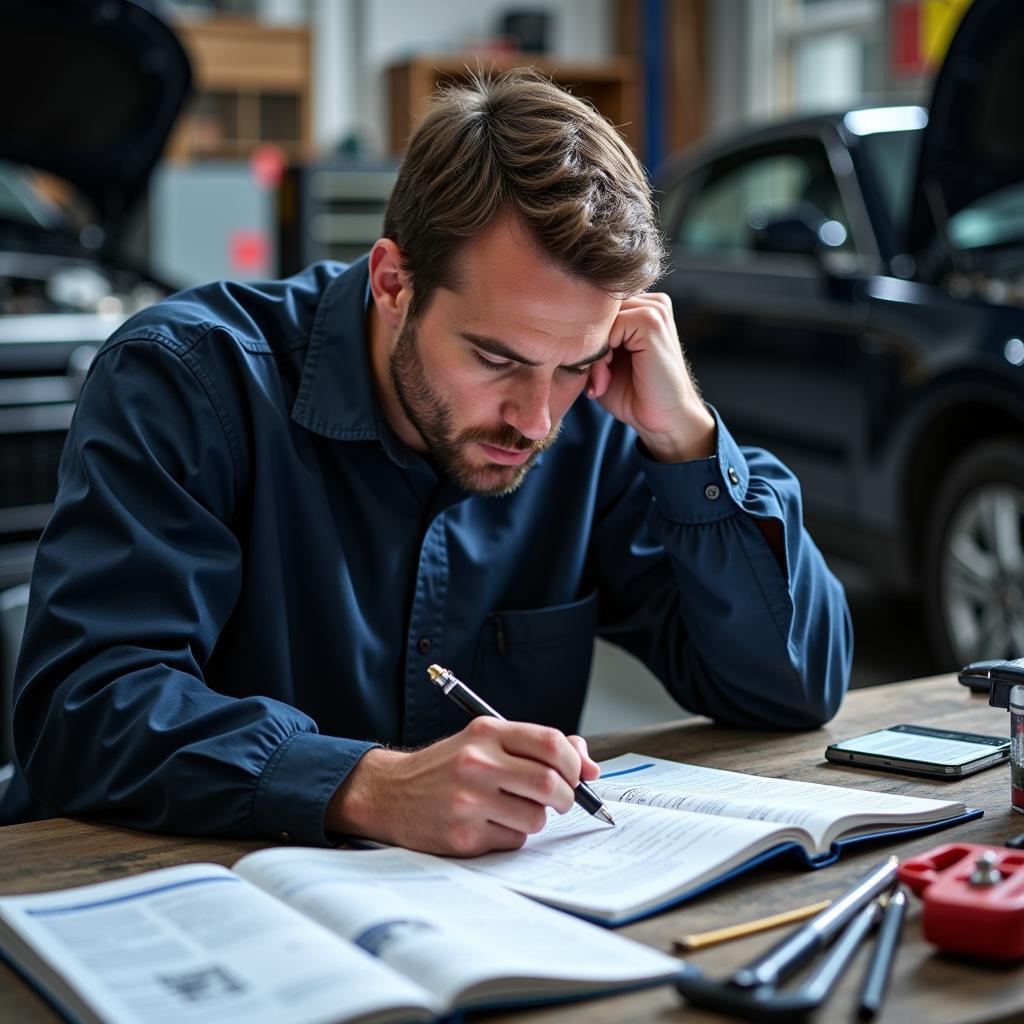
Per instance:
(602,813)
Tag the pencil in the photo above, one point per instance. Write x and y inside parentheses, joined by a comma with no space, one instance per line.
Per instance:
(738,931)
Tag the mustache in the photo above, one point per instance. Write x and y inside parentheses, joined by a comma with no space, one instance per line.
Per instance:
(508,438)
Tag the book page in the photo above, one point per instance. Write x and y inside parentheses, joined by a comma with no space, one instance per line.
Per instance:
(824,811)
(199,944)
(649,857)
(461,936)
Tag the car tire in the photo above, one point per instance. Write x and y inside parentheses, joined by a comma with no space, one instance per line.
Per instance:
(974,557)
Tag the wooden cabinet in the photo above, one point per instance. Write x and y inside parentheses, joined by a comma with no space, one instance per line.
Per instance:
(252,85)
(613,86)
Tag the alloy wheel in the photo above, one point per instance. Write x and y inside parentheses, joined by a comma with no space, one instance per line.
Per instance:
(982,576)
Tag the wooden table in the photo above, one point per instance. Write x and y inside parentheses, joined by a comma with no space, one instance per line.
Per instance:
(926,986)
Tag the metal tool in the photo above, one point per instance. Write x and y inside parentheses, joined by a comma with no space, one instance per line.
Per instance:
(753,993)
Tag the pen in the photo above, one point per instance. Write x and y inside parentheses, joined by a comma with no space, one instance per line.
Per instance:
(880,966)
(796,949)
(476,706)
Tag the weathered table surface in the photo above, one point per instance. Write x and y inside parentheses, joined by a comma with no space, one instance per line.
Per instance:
(926,986)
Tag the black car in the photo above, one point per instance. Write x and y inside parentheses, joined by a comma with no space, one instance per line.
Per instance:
(88,95)
(850,291)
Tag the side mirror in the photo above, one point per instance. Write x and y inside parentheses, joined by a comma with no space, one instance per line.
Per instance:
(806,231)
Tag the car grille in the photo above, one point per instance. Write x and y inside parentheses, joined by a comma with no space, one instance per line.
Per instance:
(43,361)
(28,479)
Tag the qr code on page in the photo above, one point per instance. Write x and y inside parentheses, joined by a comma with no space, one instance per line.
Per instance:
(203,985)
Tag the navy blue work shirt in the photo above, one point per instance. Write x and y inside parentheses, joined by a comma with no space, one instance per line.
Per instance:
(247,573)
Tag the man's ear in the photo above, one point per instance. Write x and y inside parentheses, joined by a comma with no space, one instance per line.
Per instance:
(390,284)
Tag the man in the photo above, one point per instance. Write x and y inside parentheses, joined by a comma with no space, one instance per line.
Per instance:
(280,503)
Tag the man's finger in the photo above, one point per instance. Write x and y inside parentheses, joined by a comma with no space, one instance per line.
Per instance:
(590,769)
(600,378)
(543,744)
(537,786)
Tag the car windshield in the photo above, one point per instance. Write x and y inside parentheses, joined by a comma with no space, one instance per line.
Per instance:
(996,219)
(18,203)
(22,201)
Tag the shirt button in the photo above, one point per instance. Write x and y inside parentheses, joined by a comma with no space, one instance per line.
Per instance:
(712,491)
(423,645)
(734,477)
(283,836)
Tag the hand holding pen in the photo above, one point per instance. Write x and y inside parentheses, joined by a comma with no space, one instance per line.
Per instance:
(487,787)
(476,707)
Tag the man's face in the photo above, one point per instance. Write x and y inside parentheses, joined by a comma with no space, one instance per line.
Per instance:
(486,373)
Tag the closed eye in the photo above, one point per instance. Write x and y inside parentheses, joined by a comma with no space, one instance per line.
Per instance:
(490,364)
(576,371)
(496,366)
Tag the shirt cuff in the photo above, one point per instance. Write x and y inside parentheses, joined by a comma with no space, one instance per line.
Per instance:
(298,783)
(701,490)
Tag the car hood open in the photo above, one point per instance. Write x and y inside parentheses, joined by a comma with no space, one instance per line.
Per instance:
(974,143)
(89,90)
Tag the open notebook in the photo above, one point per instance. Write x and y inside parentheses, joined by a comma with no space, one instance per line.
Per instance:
(682,828)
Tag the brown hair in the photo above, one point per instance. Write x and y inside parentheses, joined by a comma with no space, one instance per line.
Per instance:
(515,143)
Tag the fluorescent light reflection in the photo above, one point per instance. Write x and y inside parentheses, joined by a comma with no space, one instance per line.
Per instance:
(885,119)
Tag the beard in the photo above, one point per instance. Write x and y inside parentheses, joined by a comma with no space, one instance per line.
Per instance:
(431,415)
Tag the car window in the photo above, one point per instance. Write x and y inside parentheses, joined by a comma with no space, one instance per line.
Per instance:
(737,197)
(892,160)
(995,219)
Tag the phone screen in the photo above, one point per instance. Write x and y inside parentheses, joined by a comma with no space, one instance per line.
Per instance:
(936,746)
(920,749)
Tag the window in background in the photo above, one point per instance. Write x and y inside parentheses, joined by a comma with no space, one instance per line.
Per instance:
(830,53)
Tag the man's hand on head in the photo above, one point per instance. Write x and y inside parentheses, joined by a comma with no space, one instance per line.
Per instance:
(485,788)
(645,382)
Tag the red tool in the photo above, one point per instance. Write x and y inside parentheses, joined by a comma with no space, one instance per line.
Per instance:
(973,898)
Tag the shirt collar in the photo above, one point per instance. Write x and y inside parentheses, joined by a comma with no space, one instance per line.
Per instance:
(337,395)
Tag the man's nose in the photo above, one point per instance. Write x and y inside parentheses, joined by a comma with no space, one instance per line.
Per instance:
(528,409)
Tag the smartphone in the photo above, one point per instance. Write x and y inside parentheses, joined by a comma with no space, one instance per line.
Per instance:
(917,750)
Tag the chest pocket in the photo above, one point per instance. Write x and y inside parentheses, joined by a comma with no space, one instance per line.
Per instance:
(533,665)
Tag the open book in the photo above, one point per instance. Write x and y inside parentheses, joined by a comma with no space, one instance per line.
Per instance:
(681,829)
(295,935)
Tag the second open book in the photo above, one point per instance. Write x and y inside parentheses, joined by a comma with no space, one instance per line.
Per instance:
(299,936)
(681,828)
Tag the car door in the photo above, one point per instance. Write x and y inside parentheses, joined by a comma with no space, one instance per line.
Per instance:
(773,336)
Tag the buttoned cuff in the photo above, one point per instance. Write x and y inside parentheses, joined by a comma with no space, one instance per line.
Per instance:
(701,490)
(298,783)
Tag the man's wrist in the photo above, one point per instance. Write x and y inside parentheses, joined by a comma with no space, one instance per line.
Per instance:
(354,809)
(697,440)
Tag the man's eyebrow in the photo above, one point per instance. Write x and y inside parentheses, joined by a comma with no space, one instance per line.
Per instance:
(595,358)
(499,348)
